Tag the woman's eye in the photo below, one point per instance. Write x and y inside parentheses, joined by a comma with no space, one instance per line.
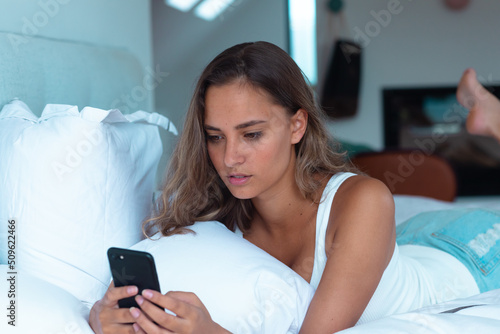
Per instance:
(214,138)
(253,135)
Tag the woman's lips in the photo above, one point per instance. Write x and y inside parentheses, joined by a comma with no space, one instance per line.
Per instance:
(238,180)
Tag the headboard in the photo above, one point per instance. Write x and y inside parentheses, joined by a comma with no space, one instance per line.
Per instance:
(39,70)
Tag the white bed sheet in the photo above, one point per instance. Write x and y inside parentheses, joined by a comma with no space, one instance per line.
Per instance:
(478,314)
(408,206)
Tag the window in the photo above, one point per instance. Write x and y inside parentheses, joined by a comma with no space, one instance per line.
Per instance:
(206,9)
(302,27)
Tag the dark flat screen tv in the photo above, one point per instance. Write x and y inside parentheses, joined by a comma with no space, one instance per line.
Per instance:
(431,120)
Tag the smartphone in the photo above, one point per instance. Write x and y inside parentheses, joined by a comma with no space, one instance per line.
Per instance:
(131,267)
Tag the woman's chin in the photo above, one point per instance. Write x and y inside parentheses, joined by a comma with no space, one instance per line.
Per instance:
(240,194)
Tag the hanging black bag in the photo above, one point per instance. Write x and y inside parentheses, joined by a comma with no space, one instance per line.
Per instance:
(341,88)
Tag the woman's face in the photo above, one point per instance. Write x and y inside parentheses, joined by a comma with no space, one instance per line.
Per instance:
(251,140)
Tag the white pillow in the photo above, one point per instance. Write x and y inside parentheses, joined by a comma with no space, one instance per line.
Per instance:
(245,289)
(75,184)
(35,306)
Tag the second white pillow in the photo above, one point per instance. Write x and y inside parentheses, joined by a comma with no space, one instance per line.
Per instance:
(245,289)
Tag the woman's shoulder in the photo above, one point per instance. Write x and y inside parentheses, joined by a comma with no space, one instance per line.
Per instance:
(360,186)
(363,193)
(362,208)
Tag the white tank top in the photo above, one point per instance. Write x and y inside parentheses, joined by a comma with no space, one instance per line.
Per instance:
(415,277)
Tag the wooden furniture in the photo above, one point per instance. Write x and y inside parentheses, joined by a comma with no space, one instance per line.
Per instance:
(410,173)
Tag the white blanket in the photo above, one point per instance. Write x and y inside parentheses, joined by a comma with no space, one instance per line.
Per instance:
(478,314)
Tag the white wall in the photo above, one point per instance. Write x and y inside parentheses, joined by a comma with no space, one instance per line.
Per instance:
(425,44)
(185,44)
(120,23)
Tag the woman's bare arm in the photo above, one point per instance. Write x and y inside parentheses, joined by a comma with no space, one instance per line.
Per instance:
(362,246)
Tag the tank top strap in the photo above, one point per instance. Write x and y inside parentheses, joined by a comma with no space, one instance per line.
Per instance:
(322,219)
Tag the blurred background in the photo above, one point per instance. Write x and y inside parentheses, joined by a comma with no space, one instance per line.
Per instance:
(416,46)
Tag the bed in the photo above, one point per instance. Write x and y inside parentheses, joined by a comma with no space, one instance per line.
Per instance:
(79,177)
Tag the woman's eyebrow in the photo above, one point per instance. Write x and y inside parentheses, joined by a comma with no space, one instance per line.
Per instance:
(209,127)
(237,127)
(248,124)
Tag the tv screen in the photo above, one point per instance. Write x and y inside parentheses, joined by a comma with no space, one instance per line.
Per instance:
(431,120)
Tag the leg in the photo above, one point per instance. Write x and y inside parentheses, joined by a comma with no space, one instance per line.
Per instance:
(484,107)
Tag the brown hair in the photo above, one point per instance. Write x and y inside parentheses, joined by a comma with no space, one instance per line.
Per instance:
(193,190)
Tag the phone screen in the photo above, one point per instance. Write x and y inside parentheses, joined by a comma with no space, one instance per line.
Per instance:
(131,267)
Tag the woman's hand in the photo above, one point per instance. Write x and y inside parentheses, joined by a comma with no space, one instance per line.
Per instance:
(105,316)
(192,316)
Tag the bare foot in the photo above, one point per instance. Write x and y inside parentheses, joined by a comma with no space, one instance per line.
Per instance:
(484,107)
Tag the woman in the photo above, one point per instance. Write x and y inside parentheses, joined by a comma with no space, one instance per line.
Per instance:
(254,154)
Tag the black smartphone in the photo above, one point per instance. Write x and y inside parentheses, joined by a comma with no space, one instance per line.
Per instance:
(131,267)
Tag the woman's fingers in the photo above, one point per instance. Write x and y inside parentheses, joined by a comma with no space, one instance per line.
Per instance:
(174,301)
(114,294)
(138,329)
(115,316)
(105,316)
(191,316)
(161,324)
(152,317)
(110,319)
(188,297)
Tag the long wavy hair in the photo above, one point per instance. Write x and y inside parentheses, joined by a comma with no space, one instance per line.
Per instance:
(193,190)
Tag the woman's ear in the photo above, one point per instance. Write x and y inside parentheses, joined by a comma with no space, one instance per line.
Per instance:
(299,125)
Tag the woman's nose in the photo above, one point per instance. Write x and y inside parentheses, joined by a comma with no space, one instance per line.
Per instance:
(233,154)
